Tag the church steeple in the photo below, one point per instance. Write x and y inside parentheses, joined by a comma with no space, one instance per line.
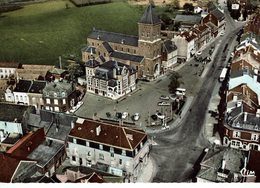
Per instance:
(149,16)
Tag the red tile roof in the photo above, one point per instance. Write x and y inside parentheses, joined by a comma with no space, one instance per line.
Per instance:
(8,165)
(10,65)
(27,144)
(254,163)
(189,36)
(112,135)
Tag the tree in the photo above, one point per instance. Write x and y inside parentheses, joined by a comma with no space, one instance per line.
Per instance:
(188,7)
(75,70)
(175,4)
(175,82)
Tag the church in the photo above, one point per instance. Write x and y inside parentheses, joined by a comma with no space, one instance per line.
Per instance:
(143,53)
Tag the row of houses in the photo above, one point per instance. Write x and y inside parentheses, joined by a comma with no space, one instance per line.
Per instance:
(36,145)
(237,160)
(41,86)
(197,31)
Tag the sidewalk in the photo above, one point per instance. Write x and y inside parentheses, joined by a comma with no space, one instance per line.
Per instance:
(148,172)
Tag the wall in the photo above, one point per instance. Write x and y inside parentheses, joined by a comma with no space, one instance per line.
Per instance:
(6,72)
(11,127)
(20,97)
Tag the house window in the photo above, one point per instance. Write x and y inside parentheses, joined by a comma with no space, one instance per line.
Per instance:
(238,144)
(74,140)
(141,144)
(254,137)
(64,101)
(233,143)
(124,152)
(100,146)
(87,144)
(101,156)
(73,158)
(236,134)
(112,155)
(89,153)
(56,109)
(56,101)
(136,151)
(48,101)
(111,150)
(16,96)
(120,161)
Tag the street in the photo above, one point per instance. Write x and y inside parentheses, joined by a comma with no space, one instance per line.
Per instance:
(178,149)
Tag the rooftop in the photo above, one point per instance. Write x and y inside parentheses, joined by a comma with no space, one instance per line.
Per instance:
(112,135)
(92,63)
(10,65)
(45,152)
(218,14)
(188,19)
(13,112)
(126,56)
(27,144)
(114,37)
(149,16)
(61,88)
(30,86)
(169,46)
(10,165)
(212,162)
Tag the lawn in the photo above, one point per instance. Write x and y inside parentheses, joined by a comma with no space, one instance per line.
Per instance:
(39,33)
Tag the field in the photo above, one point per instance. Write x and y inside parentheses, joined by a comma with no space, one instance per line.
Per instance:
(39,33)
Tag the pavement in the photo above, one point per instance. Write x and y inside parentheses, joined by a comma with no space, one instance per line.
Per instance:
(148,172)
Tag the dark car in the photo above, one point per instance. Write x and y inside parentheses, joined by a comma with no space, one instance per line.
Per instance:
(154,117)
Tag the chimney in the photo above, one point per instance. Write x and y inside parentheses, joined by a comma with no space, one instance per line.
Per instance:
(114,72)
(223,164)
(258,113)
(245,116)
(245,162)
(72,124)
(98,130)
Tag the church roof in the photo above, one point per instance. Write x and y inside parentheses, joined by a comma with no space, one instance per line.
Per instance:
(149,16)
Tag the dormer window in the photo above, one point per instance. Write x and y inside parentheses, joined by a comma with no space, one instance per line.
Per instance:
(55,94)
(63,94)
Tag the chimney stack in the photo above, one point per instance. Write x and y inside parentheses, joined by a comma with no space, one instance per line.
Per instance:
(245,116)
(223,164)
(98,130)
(72,124)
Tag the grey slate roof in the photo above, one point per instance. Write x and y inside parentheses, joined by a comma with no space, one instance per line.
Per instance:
(212,161)
(23,86)
(10,112)
(105,71)
(188,19)
(92,63)
(44,153)
(218,14)
(149,16)
(30,86)
(89,49)
(58,87)
(114,37)
(169,46)
(126,56)
(107,47)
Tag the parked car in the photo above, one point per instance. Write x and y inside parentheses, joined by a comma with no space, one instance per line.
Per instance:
(124,115)
(136,116)
(80,103)
(154,117)
(163,103)
(119,115)
(164,97)
(160,115)
(198,53)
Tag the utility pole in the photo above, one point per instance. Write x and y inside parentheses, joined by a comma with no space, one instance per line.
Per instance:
(60,62)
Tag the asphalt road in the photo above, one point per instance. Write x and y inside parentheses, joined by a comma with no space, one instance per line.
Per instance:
(178,149)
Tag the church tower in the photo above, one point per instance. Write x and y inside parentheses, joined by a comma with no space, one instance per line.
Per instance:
(149,42)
